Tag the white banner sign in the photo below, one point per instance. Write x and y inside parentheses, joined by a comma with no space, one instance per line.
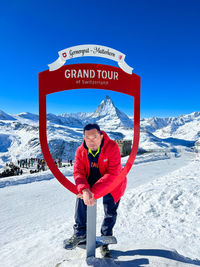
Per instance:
(91,51)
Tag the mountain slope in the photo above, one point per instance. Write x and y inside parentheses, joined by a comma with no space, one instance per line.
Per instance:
(184,127)
(107,114)
(19,134)
(5,116)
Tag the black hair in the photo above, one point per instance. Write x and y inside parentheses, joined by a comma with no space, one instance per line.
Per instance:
(91,126)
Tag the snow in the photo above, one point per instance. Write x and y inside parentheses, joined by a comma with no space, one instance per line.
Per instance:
(176,127)
(159,215)
(158,218)
(19,133)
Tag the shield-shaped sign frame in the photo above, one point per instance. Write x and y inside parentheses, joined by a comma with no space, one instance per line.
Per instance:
(87,76)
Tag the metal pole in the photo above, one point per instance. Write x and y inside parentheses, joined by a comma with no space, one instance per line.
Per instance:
(91,231)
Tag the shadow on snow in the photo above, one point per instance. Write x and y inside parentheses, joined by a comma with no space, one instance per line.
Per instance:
(167,254)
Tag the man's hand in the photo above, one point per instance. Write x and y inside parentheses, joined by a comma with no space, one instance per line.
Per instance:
(79,195)
(88,197)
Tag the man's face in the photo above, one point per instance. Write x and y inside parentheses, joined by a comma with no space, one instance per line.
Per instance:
(93,139)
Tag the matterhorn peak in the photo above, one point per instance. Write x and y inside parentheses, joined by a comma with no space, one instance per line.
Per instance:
(106,107)
(107,98)
(107,113)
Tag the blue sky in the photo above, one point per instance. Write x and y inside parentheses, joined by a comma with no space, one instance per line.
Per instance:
(161,40)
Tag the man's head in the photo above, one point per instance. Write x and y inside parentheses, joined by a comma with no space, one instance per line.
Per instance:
(92,136)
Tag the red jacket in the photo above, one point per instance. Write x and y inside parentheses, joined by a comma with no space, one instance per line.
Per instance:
(109,166)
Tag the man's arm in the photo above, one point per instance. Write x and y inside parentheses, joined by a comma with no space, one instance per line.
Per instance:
(81,180)
(79,173)
(113,170)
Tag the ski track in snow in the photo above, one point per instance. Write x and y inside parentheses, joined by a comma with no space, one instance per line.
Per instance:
(158,221)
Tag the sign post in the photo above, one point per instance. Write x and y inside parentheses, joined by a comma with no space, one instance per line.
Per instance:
(62,77)
(91,231)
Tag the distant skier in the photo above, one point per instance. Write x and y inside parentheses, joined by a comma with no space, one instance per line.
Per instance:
(97,164)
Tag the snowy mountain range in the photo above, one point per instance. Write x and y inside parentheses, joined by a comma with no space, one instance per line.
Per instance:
(19,134)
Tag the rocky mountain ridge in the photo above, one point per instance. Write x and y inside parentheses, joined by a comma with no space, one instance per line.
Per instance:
(19,134)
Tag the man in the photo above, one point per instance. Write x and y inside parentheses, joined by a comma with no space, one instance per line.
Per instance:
(97,164)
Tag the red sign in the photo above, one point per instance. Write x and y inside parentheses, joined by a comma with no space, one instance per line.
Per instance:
(82,76)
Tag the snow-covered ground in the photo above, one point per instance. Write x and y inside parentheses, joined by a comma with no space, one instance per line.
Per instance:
(158,219)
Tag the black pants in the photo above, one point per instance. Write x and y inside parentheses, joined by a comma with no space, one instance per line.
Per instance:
(110,210)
